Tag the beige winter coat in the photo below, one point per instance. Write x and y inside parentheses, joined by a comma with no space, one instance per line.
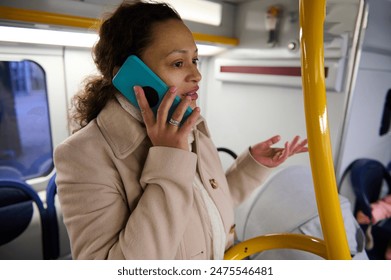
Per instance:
(124,199)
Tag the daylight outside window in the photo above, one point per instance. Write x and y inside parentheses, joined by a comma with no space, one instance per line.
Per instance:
(25,136)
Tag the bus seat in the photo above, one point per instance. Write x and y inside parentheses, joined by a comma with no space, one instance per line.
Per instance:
(60,245)
(286,203)
(227,156)
(10,173)
(368,176)
(228,151)
(18,202)
(53,235)
(41,166)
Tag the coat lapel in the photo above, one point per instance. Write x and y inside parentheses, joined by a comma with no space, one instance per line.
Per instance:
(122,132)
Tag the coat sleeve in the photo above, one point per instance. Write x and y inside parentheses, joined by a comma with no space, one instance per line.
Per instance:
(96,211)
(244,176)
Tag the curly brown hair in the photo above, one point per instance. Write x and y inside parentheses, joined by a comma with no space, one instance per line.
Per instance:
(127,31)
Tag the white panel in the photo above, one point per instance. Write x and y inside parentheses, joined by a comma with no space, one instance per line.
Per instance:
(240,115)
(362,135)
(78,64)
(334,80)
(378,35)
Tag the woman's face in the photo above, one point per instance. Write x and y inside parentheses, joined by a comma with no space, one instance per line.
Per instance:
(173,56)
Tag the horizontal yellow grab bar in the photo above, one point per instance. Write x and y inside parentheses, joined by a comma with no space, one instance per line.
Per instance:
(34,16)
(215,39)
(277,241)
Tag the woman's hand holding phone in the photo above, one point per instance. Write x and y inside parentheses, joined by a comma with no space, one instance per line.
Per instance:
(161,132)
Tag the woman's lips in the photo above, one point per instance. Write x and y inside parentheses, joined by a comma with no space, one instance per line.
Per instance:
(193,93)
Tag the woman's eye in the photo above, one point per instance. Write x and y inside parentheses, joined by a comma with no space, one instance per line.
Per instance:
(195,61)
(178,64)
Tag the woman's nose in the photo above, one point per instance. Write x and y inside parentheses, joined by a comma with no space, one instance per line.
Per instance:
(195,74)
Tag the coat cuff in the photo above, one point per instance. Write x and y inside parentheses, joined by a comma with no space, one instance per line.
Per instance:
(255,169)
(245,175)
(172,164)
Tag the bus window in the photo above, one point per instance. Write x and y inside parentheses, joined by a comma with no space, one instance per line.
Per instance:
(25,136)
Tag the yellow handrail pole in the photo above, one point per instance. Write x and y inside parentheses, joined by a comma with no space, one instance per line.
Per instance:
(312,14)
(276,241)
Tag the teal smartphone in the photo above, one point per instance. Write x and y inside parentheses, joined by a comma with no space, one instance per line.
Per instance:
(135,72)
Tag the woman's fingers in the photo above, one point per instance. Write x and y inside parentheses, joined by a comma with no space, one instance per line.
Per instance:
(165,105)
(291,148)
(273,140)
(167,133)
(300,147)
(179,112)
(294,142)
(297,147)
(190,121)
(286,152)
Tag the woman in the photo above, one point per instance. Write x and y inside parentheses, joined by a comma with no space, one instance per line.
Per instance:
(134,186)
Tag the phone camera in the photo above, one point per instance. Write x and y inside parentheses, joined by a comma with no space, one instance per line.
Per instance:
(151,95)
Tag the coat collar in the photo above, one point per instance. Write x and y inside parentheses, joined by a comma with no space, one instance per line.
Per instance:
(123,132)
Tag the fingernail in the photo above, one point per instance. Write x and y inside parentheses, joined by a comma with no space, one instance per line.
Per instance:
(173,89)
(135,89)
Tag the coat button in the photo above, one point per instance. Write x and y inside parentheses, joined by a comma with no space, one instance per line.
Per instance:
(213,183)
(232,229)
